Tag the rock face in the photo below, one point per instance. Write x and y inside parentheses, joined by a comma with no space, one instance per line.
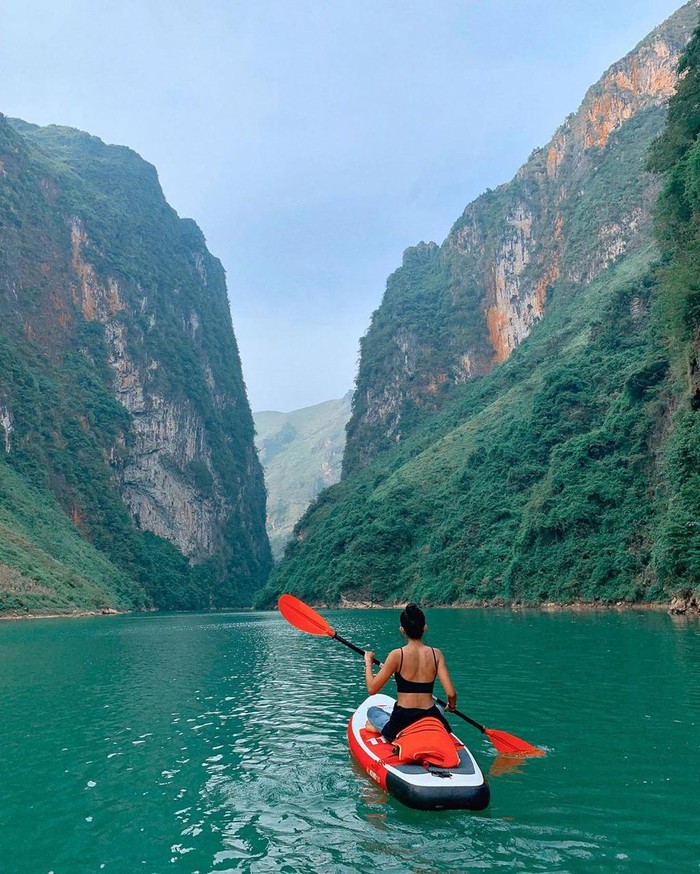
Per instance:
(684,604)
(105,288)
(301,453)
(6,422)
(576,206)
(166,436)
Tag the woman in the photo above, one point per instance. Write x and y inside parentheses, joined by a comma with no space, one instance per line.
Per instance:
(415,667)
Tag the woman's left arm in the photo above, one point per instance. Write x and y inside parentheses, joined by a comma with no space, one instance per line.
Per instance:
(376,684)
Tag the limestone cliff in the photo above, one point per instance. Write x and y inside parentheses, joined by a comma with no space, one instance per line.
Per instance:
(113,301)
(575,207)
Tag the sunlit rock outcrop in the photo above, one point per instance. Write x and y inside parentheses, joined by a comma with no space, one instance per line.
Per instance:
(575,207)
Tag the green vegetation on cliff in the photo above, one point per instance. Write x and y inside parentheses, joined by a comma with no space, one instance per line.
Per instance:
(121,396)
(535,483)
(571,470)
(676,155)
(452,312)
(45,563)
(432,310)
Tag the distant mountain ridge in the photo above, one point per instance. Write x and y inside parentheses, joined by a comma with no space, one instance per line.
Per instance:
(122,402)
(301,453)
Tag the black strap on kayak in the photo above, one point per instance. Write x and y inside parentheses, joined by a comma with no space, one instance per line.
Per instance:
(438,772)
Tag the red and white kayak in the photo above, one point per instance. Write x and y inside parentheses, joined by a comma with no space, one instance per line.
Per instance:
(426,788)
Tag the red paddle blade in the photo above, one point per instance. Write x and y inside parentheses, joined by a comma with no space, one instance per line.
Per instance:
(301,616)
(510,745)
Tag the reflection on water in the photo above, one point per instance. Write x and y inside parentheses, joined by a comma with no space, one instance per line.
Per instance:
(214,744)
(506,765)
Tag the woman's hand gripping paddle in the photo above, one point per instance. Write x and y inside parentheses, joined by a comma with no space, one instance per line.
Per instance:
(305,618)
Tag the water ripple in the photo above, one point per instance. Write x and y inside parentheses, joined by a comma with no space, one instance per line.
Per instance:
(213,744)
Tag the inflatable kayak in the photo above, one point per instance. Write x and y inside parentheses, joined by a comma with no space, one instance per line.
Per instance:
(463,787)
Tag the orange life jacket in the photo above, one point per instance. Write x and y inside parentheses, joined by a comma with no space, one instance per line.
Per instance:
(428,742)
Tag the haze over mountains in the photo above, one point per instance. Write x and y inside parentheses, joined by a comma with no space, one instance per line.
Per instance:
(301,453)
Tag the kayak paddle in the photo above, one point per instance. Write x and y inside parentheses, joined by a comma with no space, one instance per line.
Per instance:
(305,618)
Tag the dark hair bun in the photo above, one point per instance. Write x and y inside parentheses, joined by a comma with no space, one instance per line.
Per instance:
(413,621)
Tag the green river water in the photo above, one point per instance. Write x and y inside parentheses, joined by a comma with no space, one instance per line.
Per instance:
(216,743)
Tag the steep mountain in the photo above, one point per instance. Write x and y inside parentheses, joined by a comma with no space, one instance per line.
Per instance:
(126,430)
(455,311)
(301,453)
(560,463)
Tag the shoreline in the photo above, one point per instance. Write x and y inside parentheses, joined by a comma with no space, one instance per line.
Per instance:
(674,607)
(17,615)
(688,607)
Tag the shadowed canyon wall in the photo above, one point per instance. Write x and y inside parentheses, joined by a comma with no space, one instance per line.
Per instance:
(125,398)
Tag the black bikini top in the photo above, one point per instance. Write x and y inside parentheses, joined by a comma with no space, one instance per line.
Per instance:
(404,685)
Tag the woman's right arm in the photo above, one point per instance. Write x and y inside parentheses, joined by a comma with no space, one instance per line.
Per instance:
(376,684)
(446,680)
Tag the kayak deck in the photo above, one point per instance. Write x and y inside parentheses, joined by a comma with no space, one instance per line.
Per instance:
(427,788)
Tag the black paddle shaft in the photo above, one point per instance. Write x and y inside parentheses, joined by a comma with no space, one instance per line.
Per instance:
(356,649)
(442,703)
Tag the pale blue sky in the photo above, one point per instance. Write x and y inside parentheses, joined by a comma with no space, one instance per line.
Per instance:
(314,141)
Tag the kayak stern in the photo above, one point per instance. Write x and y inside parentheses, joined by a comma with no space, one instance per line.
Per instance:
(460,788)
